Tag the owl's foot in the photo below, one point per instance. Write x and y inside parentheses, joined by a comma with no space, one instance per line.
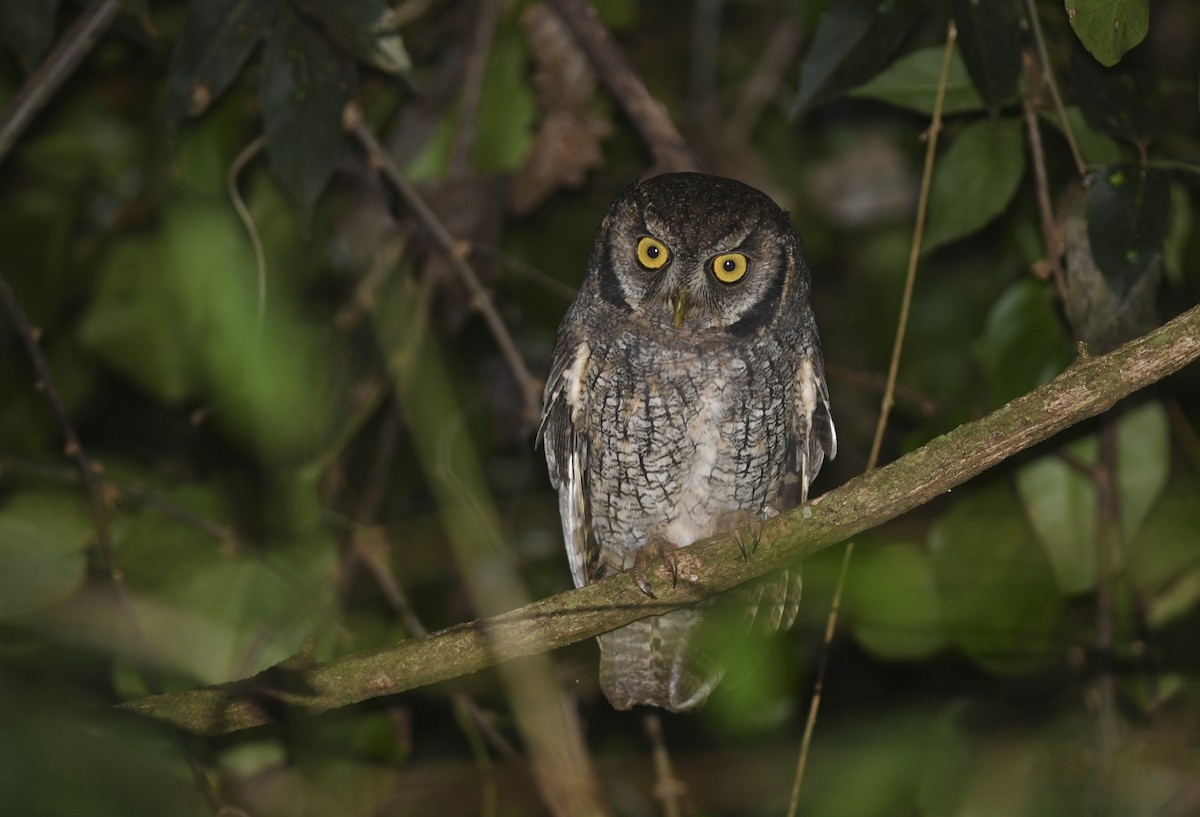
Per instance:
(656,550)
(746,528)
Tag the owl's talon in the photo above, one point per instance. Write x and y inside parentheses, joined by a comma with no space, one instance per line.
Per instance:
(656,550)
(739,524)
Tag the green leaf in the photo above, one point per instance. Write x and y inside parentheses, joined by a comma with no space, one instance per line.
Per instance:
(1097,148)
(365,28)
(507,110)
(997,593)
(302,95)
(1024,344)
(218,36)
(1062,506)
(266,380)
(853,39)
(975,180)
(43,538)
(1164,560)
(1108,28)
(1143,463)
(989,34)
(1111,101)
(1097,316)
(912,81)
(239,614)
(1128,213)
(129,325)
(27,27)
(891,598)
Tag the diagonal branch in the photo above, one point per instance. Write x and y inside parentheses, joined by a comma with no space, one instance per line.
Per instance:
(1089,387)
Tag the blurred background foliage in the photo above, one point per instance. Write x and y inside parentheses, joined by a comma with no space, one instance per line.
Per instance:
(324,449)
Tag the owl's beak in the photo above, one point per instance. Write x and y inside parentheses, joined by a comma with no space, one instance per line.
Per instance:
(681,307)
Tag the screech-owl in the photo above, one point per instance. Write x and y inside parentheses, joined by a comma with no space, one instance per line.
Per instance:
(686,397)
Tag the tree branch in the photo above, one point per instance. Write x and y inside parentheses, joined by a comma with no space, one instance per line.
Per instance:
(42,84)
(1089,387)
(667,148)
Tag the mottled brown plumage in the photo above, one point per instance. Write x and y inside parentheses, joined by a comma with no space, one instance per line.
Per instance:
(686,396)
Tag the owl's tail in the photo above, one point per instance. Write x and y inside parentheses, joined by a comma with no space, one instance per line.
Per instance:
(656,662)
(669,661)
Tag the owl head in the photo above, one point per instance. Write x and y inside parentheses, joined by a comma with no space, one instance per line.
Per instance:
(697,253)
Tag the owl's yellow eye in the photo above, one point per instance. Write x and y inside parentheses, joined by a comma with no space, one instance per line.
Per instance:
(652,254)
(730,267)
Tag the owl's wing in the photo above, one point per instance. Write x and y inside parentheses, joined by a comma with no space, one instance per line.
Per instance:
(813,435)
(563,434)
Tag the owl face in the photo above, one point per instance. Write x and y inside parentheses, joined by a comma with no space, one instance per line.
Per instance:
(690,252)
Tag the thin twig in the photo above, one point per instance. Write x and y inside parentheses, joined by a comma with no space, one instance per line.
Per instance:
(472,87)
(927,404)
(75,44)
(1051,234)
(1039,38)
(119,489)
(764,82)
(526,270)
(914,255)
(260,261)
(668,789)
(667,148)
(885,408)
(706,45)
(73,448)
(455,254)
(1108,528)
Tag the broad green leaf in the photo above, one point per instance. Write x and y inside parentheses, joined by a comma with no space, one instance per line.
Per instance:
(43,538)
(266,381)
(1062,507)
(1143,462)
(364,28)
(1111,102)
(1098,317)
(241,612)
(891,600)
(912,81)
(129,324)
(975,180)
(506,120)
(1164,560)
(1179,236)
(989,34)
(218,36)
(1128,213)
(27,27)
(1024,344)
(853,39)
(1062,502)
(303,94)
(1108,28)
(507,110)
(57,761)
(996,591)
(1097,148)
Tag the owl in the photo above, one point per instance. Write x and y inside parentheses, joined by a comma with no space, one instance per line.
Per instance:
(686,398)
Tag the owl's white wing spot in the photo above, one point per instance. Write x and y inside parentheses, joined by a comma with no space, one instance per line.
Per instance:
(573,380)
(566,441)
(813,427)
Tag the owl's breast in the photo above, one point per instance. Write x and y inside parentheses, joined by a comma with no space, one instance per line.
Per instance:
(679,437)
